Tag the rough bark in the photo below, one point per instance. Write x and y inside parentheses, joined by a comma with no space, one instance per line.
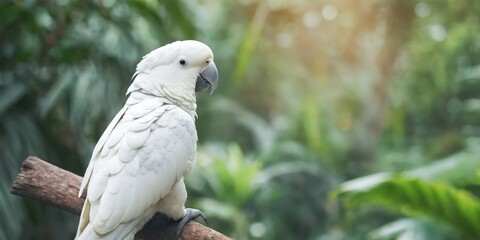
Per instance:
(48,183)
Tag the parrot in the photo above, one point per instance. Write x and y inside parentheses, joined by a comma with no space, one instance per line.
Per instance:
(138,165)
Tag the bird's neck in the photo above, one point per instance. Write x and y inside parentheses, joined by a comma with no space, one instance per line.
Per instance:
(188,104)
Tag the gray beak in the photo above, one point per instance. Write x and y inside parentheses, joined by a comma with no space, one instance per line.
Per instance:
(208,77)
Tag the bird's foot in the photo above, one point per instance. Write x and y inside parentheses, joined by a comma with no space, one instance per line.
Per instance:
(190,214)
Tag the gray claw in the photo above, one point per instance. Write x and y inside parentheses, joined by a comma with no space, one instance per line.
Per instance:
(191,214)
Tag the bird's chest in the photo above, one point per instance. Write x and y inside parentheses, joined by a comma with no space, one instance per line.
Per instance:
(159,139)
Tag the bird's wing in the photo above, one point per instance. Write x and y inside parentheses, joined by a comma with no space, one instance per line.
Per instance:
(106,134)
(145,154)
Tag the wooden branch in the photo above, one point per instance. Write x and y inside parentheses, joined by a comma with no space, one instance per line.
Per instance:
(48,183)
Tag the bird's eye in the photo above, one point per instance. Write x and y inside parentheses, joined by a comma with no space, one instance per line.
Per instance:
(182,61)
(207,62)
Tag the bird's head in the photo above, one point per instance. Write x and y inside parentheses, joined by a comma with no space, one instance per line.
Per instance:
(176,71)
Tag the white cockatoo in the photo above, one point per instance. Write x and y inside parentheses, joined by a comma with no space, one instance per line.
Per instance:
(138,165)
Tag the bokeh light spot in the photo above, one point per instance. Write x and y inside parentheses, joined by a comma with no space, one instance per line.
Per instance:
(438,32)
(257,229)
(329,12)
(311,19)
(422,9)
(284,40)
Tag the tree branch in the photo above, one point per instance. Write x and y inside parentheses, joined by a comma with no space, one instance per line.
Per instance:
(48,183)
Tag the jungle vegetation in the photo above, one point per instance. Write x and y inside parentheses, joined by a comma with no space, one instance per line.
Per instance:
(352,119)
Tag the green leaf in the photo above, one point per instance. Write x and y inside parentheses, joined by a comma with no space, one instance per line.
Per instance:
(230,175)
(458,169)
(10,95)
(59,88)
(416,197)
(214,208)
(412,228)
(250,40)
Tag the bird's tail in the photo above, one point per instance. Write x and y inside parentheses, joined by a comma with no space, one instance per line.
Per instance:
(124,231)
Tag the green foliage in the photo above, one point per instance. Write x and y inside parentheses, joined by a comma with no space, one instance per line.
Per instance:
(422,192)
(312,93)
(413,228)
(413,197)
(230,177)
(460,169)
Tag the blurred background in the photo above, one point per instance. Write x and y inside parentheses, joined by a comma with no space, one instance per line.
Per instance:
(352,119)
